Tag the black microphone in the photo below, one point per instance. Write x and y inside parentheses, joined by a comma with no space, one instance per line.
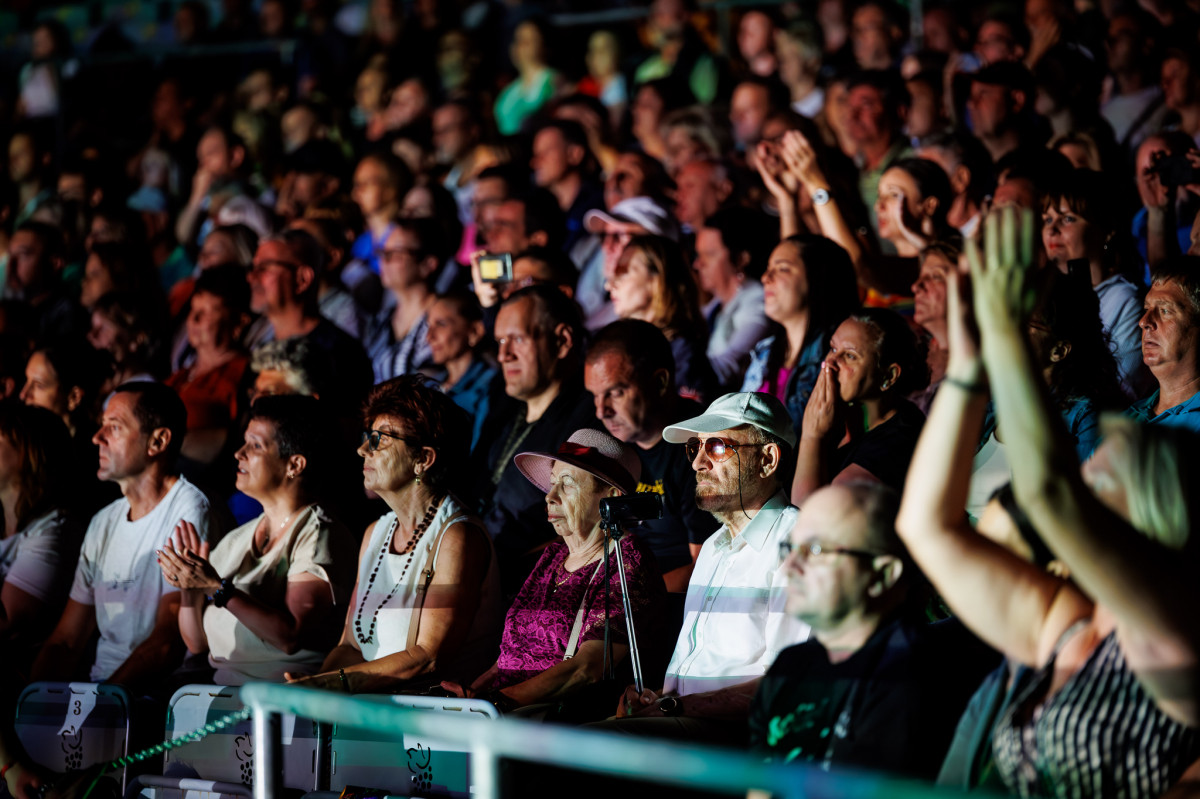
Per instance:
(632,508)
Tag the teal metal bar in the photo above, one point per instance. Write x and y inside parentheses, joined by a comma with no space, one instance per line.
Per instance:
(645,760)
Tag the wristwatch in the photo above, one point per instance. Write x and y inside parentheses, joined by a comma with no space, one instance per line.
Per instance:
(820,197)
(670,706)
(221,598)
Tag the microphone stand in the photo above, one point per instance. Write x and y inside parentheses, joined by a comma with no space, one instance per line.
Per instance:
(613,533)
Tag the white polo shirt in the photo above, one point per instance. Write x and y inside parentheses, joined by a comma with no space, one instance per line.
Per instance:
(735,620)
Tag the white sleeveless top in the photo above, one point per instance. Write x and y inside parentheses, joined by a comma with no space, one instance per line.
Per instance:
(391,592)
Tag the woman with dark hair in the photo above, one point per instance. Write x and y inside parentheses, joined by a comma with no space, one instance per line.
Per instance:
(536,81)
(277,585)
(394,338)
(61,378)
(1072,353)
(651,282)
(858,424)
(455,338)
(729,253)
(1080,224)
(427,602)
(808,290)
(39,539)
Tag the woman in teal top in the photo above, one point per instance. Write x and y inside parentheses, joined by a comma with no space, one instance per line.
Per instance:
(535,84)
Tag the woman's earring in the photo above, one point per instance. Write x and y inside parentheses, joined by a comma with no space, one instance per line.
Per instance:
(418,477)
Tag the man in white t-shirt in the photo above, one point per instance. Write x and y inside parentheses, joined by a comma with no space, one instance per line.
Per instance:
(119,589)
(735,616)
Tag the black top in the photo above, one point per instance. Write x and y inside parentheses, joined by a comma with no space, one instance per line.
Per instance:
(886,450)
(350,374)
(514,511)
(666,471)
(892,705)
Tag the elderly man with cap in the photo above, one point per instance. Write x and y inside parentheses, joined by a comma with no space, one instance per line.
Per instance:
(597,254)
(735,617)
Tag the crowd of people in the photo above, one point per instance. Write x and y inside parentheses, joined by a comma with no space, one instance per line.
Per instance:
(900,318)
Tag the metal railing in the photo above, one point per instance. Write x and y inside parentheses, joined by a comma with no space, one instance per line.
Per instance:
(645,760)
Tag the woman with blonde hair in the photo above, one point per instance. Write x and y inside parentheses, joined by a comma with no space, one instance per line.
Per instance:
(652,282)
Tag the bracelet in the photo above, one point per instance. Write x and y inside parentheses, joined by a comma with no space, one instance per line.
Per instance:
(503,702)
(4,769)
(221,598)
(343,680)
(970,388)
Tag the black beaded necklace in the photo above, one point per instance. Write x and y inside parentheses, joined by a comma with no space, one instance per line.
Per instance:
(408,550)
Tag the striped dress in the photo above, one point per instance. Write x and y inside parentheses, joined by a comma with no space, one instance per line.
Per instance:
(1100,735)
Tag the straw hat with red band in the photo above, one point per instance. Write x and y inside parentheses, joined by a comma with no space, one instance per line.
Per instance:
(594,451)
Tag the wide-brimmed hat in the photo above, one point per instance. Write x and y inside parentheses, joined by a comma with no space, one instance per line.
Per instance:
(754,408)
(594,451)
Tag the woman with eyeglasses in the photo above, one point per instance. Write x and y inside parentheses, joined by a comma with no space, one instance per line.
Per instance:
(270,596)
(426,606)
(858,424)
(395,338)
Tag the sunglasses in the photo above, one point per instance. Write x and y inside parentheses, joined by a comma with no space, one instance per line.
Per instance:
(371,438)
(717,449)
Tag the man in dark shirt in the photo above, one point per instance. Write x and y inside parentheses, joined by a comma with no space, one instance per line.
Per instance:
(876,686)
(284,287)
(539,337)
(630,372)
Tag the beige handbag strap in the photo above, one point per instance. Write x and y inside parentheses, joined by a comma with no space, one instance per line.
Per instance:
(422,589)
(577,627)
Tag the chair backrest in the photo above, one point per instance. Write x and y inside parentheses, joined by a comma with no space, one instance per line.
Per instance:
(71,726)
(228,755)
(423,767)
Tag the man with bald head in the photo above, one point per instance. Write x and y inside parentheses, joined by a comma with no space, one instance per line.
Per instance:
(876,686)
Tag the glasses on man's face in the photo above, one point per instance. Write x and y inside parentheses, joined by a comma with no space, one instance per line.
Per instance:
(395,254)
(808,550)
(371,438)
(717,449)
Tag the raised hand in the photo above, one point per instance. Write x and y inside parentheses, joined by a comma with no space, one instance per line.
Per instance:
(779,181)
(821,411)
(184,561)
(1002,278)
(801,160)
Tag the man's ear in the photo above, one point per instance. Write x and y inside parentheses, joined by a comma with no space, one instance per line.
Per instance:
(890,377)
(237,156)
(961,179)
(1060,351)
(564,340)
(575,155)
(160,439)
(772,459)
(305,275)
(1018,100)
(662,381)
(888,570)
(539,238)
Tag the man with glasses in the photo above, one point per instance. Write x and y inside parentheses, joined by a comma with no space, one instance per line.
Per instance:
(735,622)
(876,686)
(284,288)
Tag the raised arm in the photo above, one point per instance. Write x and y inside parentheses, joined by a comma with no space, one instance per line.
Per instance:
(801,160)
(1001,597)
(781,184)
(820,419)
(1148,588)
